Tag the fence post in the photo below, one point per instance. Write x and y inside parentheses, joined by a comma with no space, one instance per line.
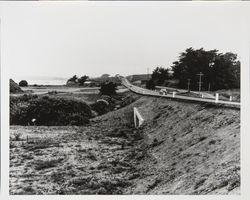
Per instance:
(230,98)
(134,117)
(174,94)
(216,97)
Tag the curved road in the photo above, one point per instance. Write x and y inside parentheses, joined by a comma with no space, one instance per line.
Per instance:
(147,92)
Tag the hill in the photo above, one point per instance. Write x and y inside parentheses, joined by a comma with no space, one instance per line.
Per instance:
(14,87)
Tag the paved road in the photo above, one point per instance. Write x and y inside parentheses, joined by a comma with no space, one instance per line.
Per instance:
(144,91)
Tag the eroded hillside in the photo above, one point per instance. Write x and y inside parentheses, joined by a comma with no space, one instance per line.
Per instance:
(191,148)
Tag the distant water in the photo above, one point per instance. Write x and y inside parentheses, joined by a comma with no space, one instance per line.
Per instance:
(43,81)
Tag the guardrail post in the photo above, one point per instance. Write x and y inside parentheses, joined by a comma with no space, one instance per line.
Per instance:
(202,95)
(174,93)
(216,97)
(230,98)
(135,117)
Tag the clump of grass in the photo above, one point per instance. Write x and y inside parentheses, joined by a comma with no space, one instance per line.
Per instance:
(49,163)
(17,137)
(43,143)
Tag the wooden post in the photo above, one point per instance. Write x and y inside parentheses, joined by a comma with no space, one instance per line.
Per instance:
(174,93)
(230,98)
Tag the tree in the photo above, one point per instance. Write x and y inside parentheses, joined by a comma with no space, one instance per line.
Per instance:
(73,79)
(150,84)
(221,71)
(160,75)
(108,88)
(82,80)
(23,83)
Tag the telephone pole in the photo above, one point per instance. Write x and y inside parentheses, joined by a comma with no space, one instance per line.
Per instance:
(148,73)
(189,84)
(200,75)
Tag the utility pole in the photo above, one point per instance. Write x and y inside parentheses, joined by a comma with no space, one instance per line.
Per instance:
(148,73)
(200,74)
(189,84)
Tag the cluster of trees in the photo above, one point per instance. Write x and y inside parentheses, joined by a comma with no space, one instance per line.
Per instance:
(159,77)
(77,80)
(220,70)
(107,87)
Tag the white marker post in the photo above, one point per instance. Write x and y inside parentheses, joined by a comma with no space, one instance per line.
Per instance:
(216,97)
(174,93)
(137,116)
(230,98)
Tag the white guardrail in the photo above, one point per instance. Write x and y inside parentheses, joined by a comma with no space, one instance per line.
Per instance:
(174,95)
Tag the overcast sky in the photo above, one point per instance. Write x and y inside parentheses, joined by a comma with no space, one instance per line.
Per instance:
(96,38)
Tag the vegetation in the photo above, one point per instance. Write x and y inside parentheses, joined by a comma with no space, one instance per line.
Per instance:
(159,77)
(100,107)
(23,83)
(73,79)
(108,88)
(14,87)
(220,71)
(150,84)
(49,111)
(82,80)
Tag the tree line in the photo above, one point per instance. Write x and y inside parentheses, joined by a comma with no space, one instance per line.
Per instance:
(218,71)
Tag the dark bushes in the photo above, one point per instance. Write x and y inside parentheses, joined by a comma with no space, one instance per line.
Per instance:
(108,88)
(49,111)
(23,83)
(100,107)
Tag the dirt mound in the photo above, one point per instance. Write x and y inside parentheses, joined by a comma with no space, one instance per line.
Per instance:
(14,87)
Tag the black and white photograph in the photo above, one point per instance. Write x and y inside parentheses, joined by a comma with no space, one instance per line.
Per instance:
(123,98)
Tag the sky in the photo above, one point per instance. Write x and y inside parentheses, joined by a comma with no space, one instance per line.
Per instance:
(60,40)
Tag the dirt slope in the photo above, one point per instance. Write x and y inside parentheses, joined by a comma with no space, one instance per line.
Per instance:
(182,148)
(191,148)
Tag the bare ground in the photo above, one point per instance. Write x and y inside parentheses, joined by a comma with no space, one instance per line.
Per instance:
(182,148)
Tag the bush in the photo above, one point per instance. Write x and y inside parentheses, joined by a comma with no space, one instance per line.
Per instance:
(49,111)
(108,88)
(100,107)
(23,83)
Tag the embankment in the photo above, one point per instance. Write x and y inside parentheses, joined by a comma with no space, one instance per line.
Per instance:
(191,148)
(182,148)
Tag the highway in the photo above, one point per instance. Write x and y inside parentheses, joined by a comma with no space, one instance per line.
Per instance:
(148,92)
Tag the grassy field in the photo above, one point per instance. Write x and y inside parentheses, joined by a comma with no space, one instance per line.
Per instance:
(182,148)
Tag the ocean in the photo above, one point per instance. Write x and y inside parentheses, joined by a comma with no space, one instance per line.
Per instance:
(43,81)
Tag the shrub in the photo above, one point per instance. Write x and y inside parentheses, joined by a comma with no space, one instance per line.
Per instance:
(23,83)
(49,111)
(100,107)
(108,88)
